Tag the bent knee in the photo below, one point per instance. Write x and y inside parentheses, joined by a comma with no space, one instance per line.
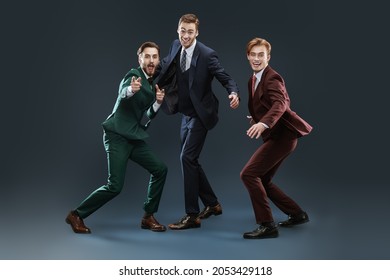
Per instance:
(161,170)
(245,174)
(114,188)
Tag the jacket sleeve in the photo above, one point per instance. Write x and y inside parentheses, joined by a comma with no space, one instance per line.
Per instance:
(125,83)
(220,74)
(151,113)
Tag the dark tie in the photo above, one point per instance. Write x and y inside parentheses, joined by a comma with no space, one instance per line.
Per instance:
(150,80)
(183,61)
(253,85)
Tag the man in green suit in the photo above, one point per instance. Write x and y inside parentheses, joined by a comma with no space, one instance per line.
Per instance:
(124,138)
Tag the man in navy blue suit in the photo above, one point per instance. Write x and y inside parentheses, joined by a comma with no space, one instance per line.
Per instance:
(186,74)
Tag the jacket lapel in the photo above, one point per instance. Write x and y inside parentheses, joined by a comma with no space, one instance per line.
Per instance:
(259,90)
(144,81)
(194,61)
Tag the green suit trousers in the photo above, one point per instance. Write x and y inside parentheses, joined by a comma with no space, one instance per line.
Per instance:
(119,151)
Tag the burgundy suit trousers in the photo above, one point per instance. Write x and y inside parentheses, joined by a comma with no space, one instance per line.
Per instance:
(257,176)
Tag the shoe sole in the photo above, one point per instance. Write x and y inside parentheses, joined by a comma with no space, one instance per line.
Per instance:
(206,217)
(155,230)
(294,224)
(262,237)
(183,228)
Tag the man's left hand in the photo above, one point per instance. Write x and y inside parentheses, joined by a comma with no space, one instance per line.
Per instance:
(234,100)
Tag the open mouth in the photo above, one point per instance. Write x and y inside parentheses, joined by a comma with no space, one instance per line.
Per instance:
(185,42)
(150,68)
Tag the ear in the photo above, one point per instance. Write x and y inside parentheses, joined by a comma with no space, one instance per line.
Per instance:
(269,58)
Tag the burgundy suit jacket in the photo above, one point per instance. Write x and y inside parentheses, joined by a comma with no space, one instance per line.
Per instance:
(271,105)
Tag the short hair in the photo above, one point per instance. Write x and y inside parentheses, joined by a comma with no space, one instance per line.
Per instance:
(189,18)
(148,45)
(258,42)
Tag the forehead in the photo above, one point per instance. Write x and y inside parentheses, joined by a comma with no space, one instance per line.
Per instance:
(150,51)
(187,26)
(258,49)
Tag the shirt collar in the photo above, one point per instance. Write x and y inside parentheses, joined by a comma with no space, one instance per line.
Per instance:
(190,49)
(146,75)
(259,74)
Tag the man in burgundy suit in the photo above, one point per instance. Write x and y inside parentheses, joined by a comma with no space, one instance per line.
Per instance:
(280,128)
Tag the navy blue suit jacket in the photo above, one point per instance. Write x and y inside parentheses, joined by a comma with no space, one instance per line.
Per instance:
(204,67)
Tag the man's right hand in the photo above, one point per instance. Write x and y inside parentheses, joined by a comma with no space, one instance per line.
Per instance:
(135,84)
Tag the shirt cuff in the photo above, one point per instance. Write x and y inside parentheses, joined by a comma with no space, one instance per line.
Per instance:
(129,93)
(156,106)
(266,126)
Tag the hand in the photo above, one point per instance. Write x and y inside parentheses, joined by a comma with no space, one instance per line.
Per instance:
(135,84)
(160,93)
(234,100)
(255,130)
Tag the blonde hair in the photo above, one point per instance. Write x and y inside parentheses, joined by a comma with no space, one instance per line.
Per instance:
(258,42)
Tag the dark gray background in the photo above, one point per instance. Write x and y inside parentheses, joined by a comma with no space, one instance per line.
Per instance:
(61,64)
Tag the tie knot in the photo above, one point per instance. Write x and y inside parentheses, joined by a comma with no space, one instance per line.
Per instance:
(150,80)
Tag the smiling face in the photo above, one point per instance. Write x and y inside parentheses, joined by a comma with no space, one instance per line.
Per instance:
(148,60)
(258,58)
(187,33)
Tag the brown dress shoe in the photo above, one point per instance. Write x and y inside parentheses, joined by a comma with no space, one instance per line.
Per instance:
(151,223)
(210,210)
(188,221)
(76,223)
(295,220)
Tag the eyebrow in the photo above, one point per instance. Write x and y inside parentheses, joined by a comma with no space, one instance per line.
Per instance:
(182,28)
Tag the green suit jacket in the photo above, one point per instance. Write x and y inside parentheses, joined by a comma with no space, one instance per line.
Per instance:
(127,114)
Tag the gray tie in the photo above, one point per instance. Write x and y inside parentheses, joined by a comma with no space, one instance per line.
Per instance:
(183,61)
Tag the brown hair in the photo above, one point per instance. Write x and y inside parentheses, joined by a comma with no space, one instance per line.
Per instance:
(148,45)
(258,42)
(189,18)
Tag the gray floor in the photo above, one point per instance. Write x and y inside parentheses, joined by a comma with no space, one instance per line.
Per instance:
(334,232)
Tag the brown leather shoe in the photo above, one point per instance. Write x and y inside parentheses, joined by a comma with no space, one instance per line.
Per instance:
(151,223)
(188,221)
(76,223)
(210,210)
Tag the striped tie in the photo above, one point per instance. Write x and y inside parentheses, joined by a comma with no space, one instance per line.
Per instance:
(183,61)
